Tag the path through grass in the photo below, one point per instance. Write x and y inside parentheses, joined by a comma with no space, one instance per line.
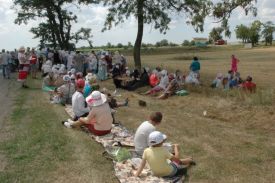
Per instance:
(40,149)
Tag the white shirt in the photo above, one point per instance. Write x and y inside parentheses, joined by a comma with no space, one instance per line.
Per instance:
(78,104)
(141,136)
(164,82)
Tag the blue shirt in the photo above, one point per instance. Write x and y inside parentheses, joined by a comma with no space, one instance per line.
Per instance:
(87,90)
(195,66)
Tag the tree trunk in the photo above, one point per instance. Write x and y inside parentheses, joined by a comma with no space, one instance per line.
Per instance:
(138,42)
(61,27)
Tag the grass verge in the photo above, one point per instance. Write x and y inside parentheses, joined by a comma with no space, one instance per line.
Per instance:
(40,149)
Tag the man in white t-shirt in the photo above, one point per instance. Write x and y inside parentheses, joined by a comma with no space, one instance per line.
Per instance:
(143,131)
(80,109)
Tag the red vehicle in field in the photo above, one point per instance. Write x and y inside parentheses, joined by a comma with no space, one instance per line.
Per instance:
(220,42)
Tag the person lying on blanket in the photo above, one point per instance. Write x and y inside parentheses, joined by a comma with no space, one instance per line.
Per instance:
(144,130)
(157,155)
(99,121)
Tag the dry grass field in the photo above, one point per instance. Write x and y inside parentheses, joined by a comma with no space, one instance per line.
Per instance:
(235,141)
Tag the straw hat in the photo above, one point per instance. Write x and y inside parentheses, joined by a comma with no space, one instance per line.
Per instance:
(96,99)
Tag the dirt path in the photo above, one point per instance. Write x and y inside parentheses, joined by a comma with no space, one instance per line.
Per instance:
(7,92)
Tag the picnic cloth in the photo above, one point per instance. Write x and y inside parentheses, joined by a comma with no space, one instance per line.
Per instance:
(48,88)
(120,136)
(182,93)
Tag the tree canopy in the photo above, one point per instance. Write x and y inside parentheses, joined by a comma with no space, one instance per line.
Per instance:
(159,13)
(242,32)
(267,32)
(55,28)
(249,34)
(216,34)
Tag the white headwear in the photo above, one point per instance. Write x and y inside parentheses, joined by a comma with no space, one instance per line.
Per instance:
(66,78)
(73,71)
(90,77)
(96,98)
(156,138)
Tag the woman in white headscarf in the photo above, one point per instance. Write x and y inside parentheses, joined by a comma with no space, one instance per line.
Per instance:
(66,91)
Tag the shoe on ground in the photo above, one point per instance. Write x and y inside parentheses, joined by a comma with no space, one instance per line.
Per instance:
(193,163)
(126,102)
(67,124)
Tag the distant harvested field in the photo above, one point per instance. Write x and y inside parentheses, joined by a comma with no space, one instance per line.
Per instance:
(258,62)
(235,141)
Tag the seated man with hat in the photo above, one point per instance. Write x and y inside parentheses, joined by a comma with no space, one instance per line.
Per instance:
(99,121)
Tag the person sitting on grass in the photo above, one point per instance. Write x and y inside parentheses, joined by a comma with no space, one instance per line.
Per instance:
(144,130)
(157,157)
(248,85)
(143,80)
(99,121)
(164,81)
(154,79)
(217,82)
(64,93)
(49,80)
(192,78)
(90,85)
(174,85)
(79,105)
(236,80)
(116,74)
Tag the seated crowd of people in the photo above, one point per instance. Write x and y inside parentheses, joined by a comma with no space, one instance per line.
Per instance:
(74,78)
(94,109)
(233,80)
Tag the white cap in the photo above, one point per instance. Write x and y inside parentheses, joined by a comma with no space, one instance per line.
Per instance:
(156,138)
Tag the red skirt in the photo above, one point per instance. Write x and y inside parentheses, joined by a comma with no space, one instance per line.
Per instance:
(97,132)
(22,75)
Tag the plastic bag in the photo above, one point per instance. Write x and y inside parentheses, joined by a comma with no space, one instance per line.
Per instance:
(121,154)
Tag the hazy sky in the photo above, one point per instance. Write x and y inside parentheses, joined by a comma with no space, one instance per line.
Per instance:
(13,36)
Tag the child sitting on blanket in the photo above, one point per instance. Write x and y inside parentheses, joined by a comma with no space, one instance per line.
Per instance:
(157,157)
(144,130)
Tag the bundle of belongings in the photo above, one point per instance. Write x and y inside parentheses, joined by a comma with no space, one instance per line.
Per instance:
(119,147)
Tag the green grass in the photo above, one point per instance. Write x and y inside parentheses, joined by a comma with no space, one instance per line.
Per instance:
(42,150)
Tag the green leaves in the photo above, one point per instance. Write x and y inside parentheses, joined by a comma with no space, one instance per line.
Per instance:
(216,34)
(56,27)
